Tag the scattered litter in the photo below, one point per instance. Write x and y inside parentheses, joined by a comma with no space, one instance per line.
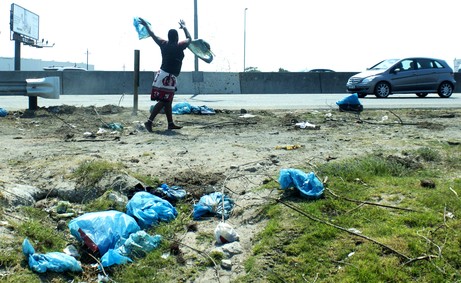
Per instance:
(384,118)
(308,184)
(353,230)
(449,215)
(187,108)
(247,115)
(53,261)
(215,203)
(72,251)
(149,210)
(350,103)
(307,125)
(114,126)
(101,131)
(224,233)
(88,134)
(289,147)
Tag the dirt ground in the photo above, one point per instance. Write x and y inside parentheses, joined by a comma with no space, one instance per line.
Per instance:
(231,151)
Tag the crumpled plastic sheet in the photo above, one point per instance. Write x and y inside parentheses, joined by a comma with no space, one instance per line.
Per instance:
(202,49)
(171,194)
(186,108)
(105,229)
(215,203)
(149,210)
(140,29)
(136,246)
(308,184)
(53,261)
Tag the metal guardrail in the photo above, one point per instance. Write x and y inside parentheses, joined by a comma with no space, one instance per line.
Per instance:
(48,87)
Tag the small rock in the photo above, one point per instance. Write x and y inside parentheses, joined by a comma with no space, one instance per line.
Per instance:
(226,264)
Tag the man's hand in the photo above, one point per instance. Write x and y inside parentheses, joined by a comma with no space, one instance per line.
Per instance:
(182,24)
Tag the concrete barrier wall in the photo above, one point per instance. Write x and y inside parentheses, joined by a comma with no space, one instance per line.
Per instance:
(105,82)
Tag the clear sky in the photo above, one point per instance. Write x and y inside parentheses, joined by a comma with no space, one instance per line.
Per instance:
(294,35)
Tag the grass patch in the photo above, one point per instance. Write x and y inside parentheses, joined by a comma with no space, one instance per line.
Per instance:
(90,172)
(420,242)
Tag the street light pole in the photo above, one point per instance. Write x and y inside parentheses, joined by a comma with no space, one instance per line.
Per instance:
(244,38)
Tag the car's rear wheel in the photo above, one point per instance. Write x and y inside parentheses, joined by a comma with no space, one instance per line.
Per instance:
(361,95)
(445,90)
(422,94)
(382,90)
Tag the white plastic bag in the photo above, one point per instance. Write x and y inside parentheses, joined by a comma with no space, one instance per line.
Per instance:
(224,233)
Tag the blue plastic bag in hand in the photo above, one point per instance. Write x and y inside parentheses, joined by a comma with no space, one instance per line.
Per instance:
(54,261)
(149,209)
(214,203)
(140,29)
(308,184)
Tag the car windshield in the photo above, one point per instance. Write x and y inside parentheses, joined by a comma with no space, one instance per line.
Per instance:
(384,65)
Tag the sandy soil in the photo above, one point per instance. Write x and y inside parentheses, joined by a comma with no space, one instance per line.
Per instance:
(231,151)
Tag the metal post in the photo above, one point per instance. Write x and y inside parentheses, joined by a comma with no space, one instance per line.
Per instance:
(33,104)
(195,33)
(244,38)
(136,83)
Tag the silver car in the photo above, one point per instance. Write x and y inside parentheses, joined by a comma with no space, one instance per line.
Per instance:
(410,75)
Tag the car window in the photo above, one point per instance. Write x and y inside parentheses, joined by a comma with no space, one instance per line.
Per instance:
(437,64)
(384,65)
(425,64)
(407,65)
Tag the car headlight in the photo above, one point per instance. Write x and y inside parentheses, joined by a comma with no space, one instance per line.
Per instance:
(368,79)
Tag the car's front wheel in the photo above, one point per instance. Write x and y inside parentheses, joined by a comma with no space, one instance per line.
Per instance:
(445,90)
(382,90)
(422,94)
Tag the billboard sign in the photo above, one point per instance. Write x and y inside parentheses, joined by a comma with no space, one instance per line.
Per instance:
(24,22)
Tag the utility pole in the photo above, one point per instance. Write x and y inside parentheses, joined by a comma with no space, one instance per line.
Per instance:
(87,53)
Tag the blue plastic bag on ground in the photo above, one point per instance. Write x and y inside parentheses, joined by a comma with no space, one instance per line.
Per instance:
(112,257)
(54,261)
(137,245)
(3,112)
(149,209)
(350,103)
(187,108)
(214,203)
(171,194)
(140,29)
(102,231)
(308,184)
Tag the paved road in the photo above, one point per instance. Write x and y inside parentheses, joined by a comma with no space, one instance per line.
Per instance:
(242,101)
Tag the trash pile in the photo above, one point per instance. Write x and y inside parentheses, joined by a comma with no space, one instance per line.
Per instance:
(118,238)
